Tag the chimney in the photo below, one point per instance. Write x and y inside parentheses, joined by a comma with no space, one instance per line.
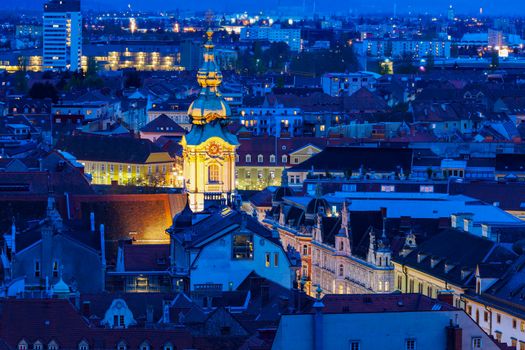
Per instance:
(265,294)
(102,246)
(149,314)
(454,337)
(92,221)
(446,296)
(86,309)
(13,237)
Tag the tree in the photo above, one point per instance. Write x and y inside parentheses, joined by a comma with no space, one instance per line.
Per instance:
(20,77)
(43,90)
(405,64)
(430,63)
(132,80)
(494,60)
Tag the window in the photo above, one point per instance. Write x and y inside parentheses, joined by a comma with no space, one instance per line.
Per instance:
(275,259)
(22,345)
(83,345)
(284,159)
(380,286)
(37,268)
(476,343)
(267,260)
(349,188)
(486,316)
(248,158)
(213,173)
(305,250)
(170,347)
(400,282)
(411,286)
(469,310)
(429,291)
(38,345)
(388,188)
(52,345)
(272,158)
(426,188)
(514,323)
(498,318)
(144,346)
(55,268)
(341,270)
(242,247)
(410,344)
(260,158)
(522,326)
(355,345)
(121,346)
(420,288)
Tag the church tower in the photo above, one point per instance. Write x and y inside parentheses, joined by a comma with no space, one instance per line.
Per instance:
(209,147)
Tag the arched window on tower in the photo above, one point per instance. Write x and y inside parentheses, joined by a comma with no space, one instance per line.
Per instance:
(213,173)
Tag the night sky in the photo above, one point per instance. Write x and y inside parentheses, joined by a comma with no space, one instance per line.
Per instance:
(491,7)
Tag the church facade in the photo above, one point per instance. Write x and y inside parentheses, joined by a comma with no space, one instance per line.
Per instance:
(209,147)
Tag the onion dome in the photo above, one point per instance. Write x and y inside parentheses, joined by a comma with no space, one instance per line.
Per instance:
(210,104)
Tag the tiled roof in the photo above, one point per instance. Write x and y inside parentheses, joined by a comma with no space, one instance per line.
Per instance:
(56,319)
(376,303)
(161,124)
(105,148)
(146,257)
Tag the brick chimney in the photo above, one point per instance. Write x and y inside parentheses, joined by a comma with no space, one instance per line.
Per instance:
(454,337)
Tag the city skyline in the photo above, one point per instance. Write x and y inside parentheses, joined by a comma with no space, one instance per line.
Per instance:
(439,7)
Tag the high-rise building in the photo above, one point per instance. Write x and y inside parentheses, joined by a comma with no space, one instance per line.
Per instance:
(450,14)
(62,48)
(209,147)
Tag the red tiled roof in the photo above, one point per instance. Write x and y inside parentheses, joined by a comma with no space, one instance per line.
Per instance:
(373,303)
(146,257)
(57,319)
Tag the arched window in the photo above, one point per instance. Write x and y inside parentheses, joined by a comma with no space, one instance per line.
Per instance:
(22,345)
(52,345)
(341,246)
(83,345)
(122,345)
(341,270)
(380,261)
(284,158)
(248,158)
(260,158)
(272,158)
(213,173)
(168,346)
(144,346)
(38,345)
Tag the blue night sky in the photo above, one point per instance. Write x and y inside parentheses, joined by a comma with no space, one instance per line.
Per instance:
(491,7)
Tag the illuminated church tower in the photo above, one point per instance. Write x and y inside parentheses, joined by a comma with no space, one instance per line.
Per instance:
(209,148)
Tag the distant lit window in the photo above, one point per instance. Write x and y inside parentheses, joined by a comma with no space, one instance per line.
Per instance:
(388,188)
(426,188)
(349,187)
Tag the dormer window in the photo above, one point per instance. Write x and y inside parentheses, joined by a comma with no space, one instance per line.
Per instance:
(248,158)
(284,159)
(272,158)
(260,158)
(83,345)
(122,346)
(22,345)
(52,345)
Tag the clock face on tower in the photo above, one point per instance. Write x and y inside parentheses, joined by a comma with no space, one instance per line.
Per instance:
(213,149)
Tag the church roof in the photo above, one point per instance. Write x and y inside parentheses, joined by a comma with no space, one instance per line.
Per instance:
(201,133)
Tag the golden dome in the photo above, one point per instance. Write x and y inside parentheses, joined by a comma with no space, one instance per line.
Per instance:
(209,105)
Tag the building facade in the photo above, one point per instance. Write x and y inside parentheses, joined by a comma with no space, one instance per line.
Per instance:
(62,48)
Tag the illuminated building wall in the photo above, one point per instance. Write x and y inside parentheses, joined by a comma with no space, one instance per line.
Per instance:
(62,47)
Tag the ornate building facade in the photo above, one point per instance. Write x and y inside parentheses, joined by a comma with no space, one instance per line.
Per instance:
(209,147)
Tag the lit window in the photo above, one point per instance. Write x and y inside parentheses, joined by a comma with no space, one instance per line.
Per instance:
(242,247)
(426,188)
(388,188)
(267,260)
(213,173)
